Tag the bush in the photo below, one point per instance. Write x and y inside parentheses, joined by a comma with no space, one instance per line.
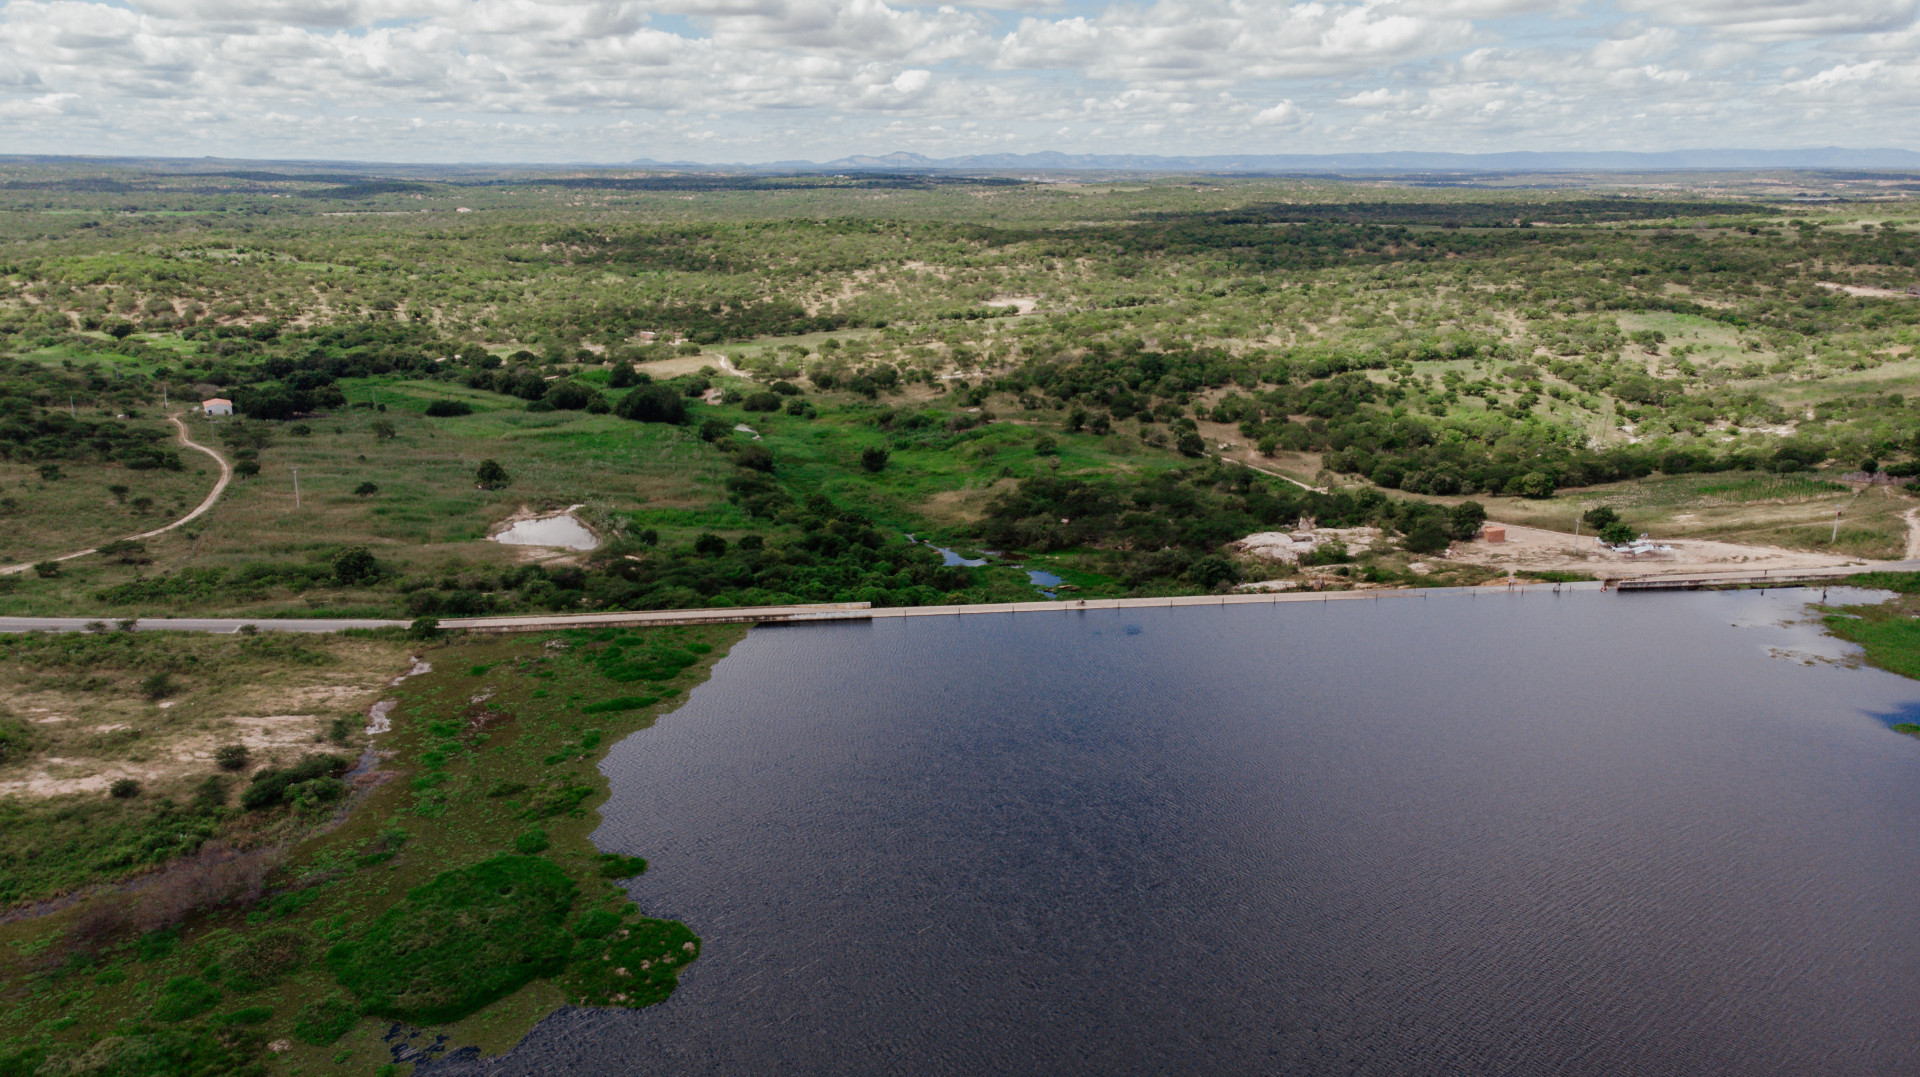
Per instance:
(710,545)
(754,457)
(316,776)
(449,409)
(366,489)
(16,739)
(653,403)
(873,458)
(424,628)
(531,842)
(184,997)
(321,1023)
(158,686)
(46,570)
(1427,536)
(490,475)
(1618,534)
(470,936)
(355,564)
(232,756)
(761,401)
(570,395)
(1465,519)
(124,789)
(618,866)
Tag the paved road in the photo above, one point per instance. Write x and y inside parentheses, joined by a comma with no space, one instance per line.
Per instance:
(226,476)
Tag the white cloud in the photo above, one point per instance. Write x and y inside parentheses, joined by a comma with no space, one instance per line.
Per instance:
(746,79)
(1778,20)
(1286,115)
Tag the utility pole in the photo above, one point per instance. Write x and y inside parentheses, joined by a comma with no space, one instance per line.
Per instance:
(296,487)
(1836,528)
(71,410)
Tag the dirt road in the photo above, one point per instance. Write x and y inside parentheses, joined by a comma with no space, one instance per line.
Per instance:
(226,476)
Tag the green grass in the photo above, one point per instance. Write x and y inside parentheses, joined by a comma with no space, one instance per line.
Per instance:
(424,910)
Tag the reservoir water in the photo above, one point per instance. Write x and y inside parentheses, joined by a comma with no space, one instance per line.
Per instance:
(1659,834)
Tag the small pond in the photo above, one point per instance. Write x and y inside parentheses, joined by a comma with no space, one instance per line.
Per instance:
(564,531)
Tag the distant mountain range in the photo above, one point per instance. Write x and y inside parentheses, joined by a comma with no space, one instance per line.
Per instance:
(1017,164)
(1569,161)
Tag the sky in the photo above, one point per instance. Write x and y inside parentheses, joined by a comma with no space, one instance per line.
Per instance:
(763,80)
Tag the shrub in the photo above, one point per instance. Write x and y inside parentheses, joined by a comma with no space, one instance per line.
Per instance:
(618,866)
(1465,519)
(652,403)
(232,756)
(754,457)
(531,842)
(873,458)
(762,401)
(184,997)
(449,409)
(46,570)
(570,395)
(316,776)
(1427,536)
(424,628)
(124,789)
(246,469)
(470,936)
(709,545)
(1599,518)
(158,686)
(1618,534)
(354,565)
(16,739)
(366,489)
(320,1023)
(490,475)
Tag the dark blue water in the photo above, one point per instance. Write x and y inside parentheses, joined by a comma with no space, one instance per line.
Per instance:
(1533,834)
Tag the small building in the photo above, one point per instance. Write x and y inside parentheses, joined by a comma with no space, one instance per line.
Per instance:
(1493,533)
(217,406)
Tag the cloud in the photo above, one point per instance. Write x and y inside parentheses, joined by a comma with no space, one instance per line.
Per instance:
(753,79)
(1780,20)
(1286,116)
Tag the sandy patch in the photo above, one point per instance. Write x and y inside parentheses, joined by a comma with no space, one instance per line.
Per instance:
(1542,550)
(1868,292)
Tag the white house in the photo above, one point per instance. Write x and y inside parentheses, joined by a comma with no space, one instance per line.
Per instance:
(217,406)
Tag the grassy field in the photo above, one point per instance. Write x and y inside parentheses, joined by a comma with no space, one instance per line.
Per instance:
(488,773)
(1761,508)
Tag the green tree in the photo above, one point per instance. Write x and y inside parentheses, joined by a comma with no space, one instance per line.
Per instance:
(491,476)
(1618,534)
(1464,519)
(655,403)
(1599,518)
(355,564)
(873,458)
